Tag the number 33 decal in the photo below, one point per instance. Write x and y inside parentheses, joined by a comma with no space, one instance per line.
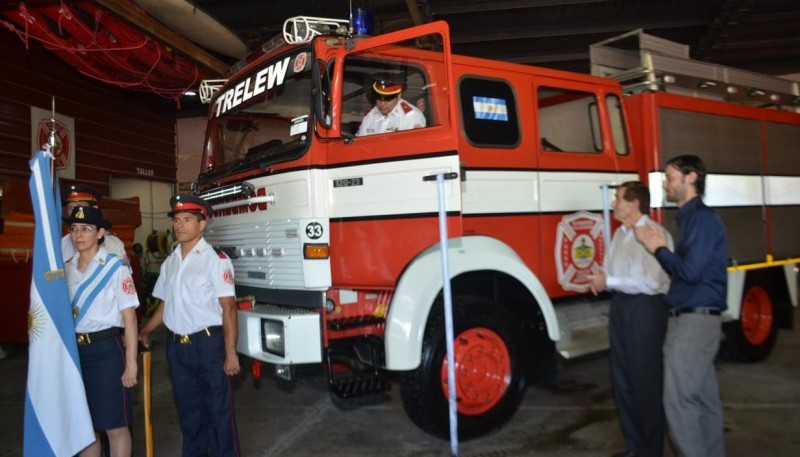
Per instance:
(314,230)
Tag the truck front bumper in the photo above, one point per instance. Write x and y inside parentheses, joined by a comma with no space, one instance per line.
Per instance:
(280,335)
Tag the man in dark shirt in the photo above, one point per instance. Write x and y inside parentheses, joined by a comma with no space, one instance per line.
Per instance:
(697,296)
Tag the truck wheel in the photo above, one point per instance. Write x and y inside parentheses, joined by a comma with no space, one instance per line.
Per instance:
(490,379)
(752,337)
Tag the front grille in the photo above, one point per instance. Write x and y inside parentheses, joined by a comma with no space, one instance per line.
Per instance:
(265,254)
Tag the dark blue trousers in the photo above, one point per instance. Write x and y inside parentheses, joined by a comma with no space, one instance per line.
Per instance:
(637,326)
(204,397)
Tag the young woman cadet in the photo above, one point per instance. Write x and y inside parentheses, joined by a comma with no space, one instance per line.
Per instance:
(103,304)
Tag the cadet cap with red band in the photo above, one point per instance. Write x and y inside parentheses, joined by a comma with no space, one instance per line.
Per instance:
(74,193)
(387,84)
(187,203)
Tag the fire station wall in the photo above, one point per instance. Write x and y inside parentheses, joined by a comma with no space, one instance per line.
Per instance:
(115,135)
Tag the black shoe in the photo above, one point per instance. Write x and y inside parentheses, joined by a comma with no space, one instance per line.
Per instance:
(624,454)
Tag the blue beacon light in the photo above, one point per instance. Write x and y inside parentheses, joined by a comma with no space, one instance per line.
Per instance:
(362,22)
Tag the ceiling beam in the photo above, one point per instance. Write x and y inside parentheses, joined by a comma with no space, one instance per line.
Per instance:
(413,10)
(546,58)
(505,5)
(728,17)
(160,32)
(488,6)
(561,30)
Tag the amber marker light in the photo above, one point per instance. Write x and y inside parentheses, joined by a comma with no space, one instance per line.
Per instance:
(316,251)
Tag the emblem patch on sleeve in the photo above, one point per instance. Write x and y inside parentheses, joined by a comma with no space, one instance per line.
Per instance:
(227,276)
(128,287)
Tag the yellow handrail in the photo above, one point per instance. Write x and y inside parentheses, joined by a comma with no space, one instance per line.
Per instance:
(769,262)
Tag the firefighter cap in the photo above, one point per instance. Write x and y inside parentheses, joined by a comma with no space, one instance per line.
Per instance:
(79,193)
(387,84)
(87,215)
(183,203)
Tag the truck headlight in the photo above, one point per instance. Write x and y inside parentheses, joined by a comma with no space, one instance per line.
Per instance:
(272,339)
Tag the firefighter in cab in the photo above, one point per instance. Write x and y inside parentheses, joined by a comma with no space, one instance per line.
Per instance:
(391,112)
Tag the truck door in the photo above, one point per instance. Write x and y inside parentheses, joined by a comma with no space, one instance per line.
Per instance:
(380,204)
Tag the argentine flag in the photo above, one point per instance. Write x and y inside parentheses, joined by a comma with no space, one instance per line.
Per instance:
(57,420)
(493,109)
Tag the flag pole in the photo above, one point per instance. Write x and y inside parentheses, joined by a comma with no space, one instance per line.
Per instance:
(52,347)
(148,425)
(51,141)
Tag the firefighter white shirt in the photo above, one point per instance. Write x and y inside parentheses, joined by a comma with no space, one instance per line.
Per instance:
(404,116)
(191,287)
(117,294)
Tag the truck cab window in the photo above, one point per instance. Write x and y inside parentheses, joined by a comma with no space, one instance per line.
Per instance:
(568,121)
(614,107)
(390,89)
(489,112)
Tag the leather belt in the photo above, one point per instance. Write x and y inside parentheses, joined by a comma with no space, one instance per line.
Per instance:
(94,337)
(675,312)
(187,339)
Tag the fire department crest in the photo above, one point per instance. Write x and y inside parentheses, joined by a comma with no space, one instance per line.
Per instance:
(579,249)
(61,150)
(227,276)
(128,287)
(300,62)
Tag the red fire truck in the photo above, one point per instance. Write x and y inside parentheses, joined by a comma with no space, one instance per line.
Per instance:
(334,236)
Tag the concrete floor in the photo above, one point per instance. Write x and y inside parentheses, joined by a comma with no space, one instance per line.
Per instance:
(762,415)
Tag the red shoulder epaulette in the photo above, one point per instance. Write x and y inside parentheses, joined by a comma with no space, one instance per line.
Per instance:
(406,107)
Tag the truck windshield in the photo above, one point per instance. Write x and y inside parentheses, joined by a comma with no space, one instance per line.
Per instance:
(262,117)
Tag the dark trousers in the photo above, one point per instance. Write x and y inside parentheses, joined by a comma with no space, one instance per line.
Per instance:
(637,326)
(204,397)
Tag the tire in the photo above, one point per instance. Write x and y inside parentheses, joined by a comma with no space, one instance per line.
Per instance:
(490,376)
(752,337)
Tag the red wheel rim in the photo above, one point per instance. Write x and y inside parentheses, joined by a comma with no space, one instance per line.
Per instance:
(483,370)
(757,315)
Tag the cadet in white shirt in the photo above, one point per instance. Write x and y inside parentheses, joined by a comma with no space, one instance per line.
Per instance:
(103,304)
(391,112)
(198,308)
(637,324)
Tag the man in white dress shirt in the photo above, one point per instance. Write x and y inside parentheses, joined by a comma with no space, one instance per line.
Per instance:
(391,112)
(637,324)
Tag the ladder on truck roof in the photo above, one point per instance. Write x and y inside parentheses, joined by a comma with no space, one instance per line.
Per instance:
(642,63)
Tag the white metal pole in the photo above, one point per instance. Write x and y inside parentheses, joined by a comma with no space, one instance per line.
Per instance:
(448,313)
(606,216)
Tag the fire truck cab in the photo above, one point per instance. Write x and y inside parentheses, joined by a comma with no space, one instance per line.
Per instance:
(334,236)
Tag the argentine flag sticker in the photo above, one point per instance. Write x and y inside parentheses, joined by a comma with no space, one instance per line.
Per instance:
(493,109)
